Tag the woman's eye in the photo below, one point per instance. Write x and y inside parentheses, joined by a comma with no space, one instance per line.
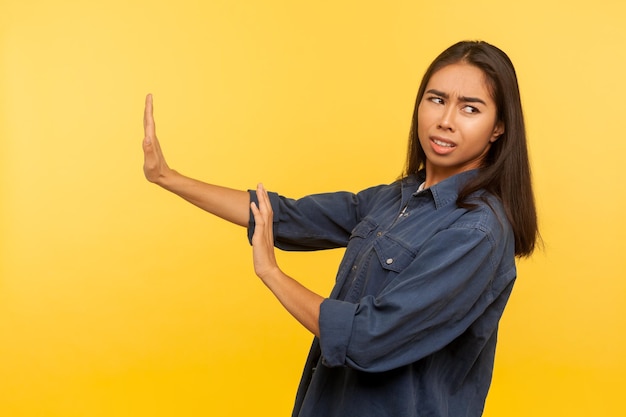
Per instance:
(436,100)
(470,109)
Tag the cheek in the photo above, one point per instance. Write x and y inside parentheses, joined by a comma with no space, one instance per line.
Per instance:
(424,111)
(480,132)
(422,130)
(424,118)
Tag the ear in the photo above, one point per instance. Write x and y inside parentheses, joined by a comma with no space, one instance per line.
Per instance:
(498,130)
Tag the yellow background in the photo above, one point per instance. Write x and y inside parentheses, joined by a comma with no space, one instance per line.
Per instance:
(118,299)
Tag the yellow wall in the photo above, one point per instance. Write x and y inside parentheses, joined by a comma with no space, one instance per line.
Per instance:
(117,299)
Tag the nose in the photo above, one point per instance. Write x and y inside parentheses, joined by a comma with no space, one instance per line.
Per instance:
(446,122)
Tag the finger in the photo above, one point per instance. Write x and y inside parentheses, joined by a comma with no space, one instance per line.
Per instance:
(266,214)
(255,209)
(259,217)
(262,209)
(260,195)
(259,229)
(264,199)
(264,205)
(148,120)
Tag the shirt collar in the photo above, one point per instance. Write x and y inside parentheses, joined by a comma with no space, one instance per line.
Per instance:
(443,193)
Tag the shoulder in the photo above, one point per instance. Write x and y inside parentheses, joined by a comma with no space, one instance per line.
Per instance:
(486,213)
(487,218)
(377,194)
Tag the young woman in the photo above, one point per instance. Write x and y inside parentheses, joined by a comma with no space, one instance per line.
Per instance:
(410,326)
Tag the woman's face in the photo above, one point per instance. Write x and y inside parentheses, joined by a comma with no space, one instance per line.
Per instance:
(457,121)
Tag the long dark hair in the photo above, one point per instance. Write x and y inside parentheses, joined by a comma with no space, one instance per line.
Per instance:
(505,171)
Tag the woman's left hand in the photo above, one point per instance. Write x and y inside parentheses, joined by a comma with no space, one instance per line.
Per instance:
(299,301)
(263,254)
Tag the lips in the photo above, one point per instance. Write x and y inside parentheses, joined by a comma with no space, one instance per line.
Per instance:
(442,146)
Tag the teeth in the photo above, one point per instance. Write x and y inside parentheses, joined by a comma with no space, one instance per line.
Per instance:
(440,143)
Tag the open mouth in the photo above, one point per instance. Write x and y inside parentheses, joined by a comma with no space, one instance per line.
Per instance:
(442,146)
(439,142)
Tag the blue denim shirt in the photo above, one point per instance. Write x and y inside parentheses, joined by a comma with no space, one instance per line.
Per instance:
(410,327)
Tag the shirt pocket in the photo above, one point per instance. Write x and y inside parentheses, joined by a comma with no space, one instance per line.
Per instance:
(392,255)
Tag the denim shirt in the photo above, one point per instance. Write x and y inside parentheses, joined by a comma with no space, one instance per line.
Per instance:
(410,327)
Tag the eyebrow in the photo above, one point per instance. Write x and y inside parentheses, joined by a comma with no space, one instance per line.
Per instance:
(461,98)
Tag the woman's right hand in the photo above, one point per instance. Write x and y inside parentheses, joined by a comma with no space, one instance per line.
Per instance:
(229,204)
(154,166)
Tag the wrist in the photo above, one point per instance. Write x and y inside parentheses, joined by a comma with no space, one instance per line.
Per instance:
(167,179)
(272,276)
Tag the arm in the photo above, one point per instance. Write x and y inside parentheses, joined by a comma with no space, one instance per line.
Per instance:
(459,279)
(234,206)
(229,204)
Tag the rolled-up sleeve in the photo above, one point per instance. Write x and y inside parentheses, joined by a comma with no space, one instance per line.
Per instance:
(314,222)
(338,317)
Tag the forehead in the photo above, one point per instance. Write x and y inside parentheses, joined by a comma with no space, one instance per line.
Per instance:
(460,79)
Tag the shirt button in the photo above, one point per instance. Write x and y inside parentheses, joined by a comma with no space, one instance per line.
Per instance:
(354,267)
(389,261)
(379,234)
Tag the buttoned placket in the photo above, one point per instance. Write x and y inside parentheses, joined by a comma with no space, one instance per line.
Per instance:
(349,286)
(403,214)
